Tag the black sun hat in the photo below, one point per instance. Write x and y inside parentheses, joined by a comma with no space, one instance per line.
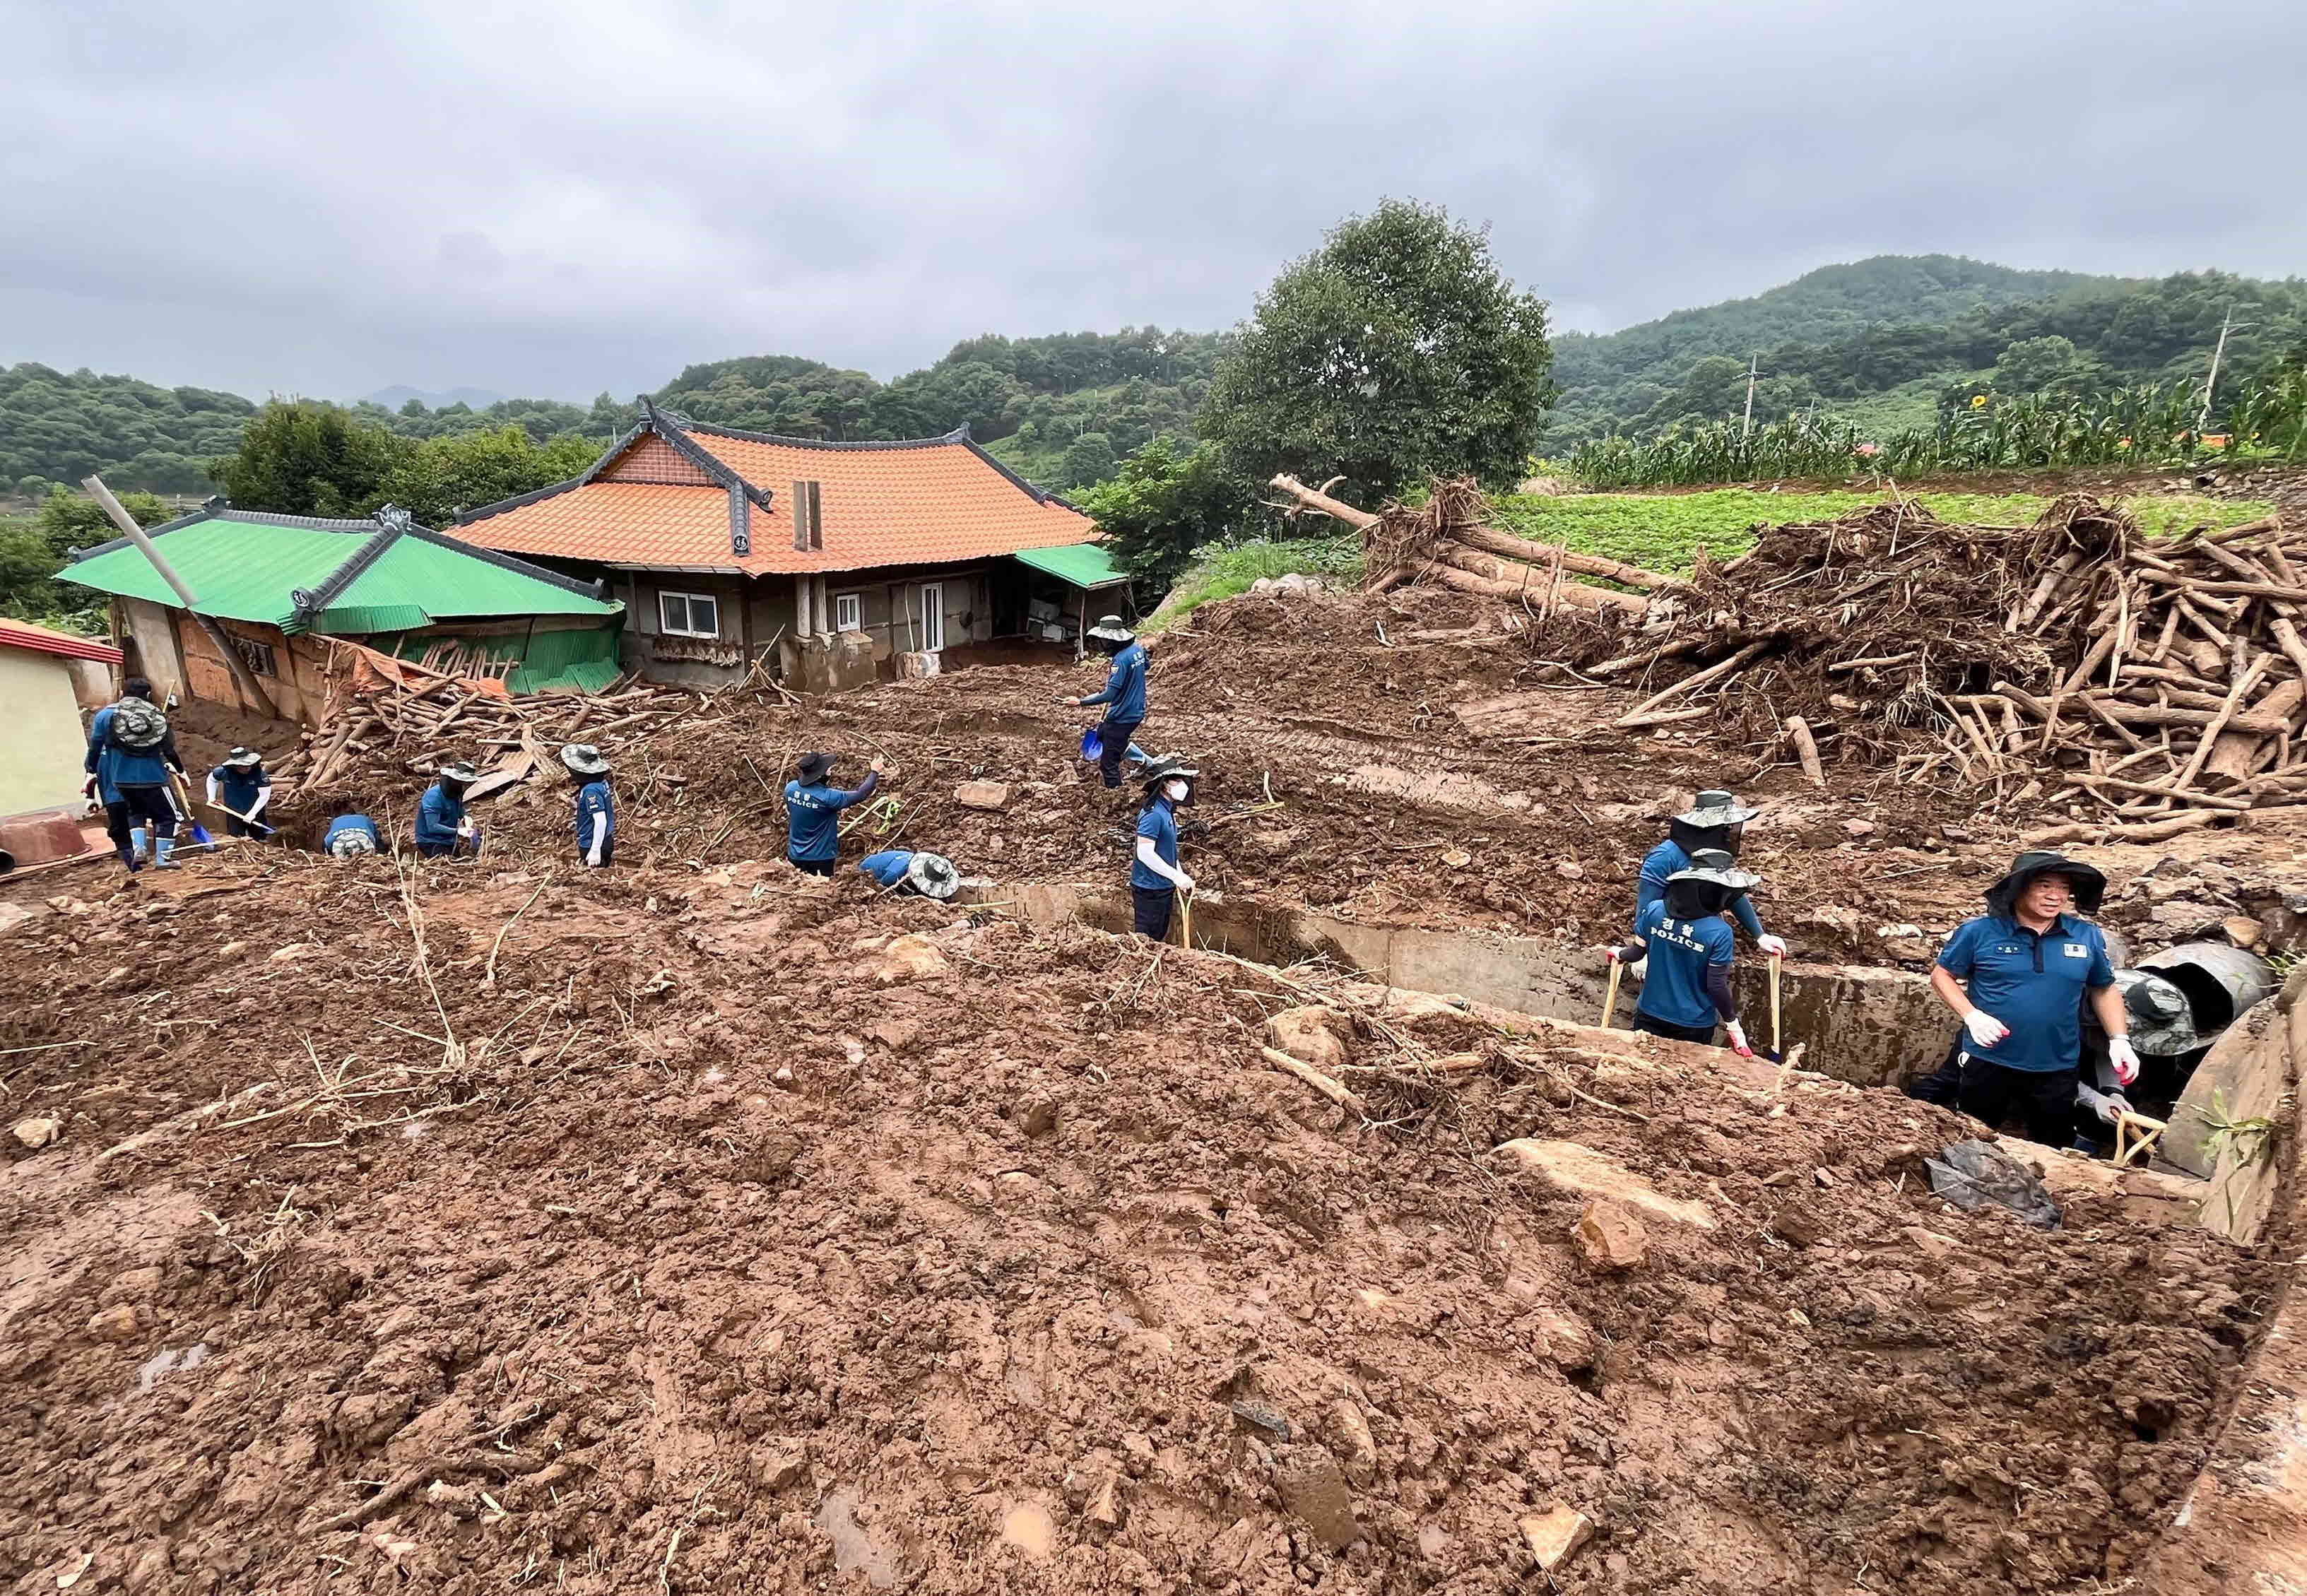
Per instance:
(2090,885)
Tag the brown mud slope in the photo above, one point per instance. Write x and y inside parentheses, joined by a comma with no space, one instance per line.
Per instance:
(684,1233)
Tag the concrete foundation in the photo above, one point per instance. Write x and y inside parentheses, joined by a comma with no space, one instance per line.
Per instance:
(1870,1027)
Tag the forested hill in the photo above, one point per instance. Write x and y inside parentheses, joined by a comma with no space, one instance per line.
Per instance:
(1884,340)
(1060,409)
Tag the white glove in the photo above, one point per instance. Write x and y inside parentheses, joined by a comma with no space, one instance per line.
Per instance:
(1985,1029)
(2113,1107)
(1185,882)
(1738,1040)
(2125,1057)
(464,828)
(1775,946)
(593,857)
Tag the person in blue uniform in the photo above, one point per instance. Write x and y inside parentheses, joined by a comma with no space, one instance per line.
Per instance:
(2018,976)
(813,812)
(1690,946)
(242,785)
(444,829)
(1718,820)
(1123,695)
(351,834)
(1155,879)
(130,750)
(913,872)
(595,810)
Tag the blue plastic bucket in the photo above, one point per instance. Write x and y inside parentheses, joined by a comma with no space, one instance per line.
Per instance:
(1093,745)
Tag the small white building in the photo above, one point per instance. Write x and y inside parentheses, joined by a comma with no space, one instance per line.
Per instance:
(45,679)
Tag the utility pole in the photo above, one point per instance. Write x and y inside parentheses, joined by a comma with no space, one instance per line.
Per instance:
(2227,325)
(1752,365)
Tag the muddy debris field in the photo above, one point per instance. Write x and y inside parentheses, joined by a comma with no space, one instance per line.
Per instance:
(700,1226)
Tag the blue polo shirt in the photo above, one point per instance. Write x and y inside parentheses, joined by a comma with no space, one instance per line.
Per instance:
(1160,824)
(1125,688)
(814,817)
(1664,861)
(889,866)
(1674,981)
(358,824)
(593,799)
(2033,983)
(438,816)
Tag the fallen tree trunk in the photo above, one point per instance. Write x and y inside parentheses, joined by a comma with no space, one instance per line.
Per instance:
(1314,499)
(1526,581)
(1489,540)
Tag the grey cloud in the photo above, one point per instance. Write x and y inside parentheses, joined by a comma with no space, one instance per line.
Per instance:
(591,195)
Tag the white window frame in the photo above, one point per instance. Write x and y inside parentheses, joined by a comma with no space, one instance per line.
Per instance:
(932,602)
(848,612)
(688,610)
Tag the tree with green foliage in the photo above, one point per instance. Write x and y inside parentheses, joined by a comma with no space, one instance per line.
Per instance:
(443,476)
(301,457)
(34,548)
(1166,502)
(1396,351)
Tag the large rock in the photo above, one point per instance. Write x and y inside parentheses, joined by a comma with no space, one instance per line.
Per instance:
(1611,1236)
(1577,1170)
(1554,1535)
(1312,1034)
(982,794)
(911,957)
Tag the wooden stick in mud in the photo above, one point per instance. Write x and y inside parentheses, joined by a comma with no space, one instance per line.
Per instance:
(1312,1078)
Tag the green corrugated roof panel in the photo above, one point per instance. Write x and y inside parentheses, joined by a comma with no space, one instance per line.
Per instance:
(355,619)
(249,570)
(240,571)
(447,582)
(1082,564)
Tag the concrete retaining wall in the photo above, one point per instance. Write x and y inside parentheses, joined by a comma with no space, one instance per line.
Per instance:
(1871,1027)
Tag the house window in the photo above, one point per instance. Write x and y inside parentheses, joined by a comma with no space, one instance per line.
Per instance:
(689,614)
(932,617)
(257,656)
(848,613)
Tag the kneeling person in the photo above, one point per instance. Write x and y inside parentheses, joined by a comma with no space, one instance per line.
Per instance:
(351,835)
(444,829)
(913,874)
(1686,988)
(596,814)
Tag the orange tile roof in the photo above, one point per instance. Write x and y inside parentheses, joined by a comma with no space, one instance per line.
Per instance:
(916,503)
(24,634)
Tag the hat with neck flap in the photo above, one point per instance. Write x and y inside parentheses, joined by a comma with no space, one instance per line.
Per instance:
(2090,885)
(1711,884)
(1712,822)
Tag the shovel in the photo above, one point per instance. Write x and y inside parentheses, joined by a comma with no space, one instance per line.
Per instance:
(1610,1000)
(249,820)
(201,838)
(1186,918)
(1778,1046)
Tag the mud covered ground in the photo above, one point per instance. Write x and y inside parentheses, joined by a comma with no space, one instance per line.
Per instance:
(497,1227)
(1338,776)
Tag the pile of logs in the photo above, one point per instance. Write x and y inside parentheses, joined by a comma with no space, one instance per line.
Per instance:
(2186,701)
(423,718)
(1444,542)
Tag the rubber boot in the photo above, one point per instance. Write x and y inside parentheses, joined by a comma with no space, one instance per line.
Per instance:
(128,857)
(140,838)
(165,847)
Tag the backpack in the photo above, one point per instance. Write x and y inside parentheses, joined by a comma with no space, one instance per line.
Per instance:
(138,725)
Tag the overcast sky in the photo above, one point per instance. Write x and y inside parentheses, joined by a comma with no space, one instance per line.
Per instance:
(589,194)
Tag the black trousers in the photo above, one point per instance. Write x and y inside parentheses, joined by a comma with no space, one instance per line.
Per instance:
(608,852)
(1153,905)
(814,867)
(1114,735)
(1667,1029)
(2041,1100)
(152,805)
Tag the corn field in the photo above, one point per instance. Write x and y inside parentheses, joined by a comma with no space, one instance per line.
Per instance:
(2151,424)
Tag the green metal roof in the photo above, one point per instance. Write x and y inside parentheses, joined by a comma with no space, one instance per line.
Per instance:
(1082,565)
(304,574)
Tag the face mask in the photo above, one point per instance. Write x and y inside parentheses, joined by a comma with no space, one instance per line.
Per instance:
(1176,791)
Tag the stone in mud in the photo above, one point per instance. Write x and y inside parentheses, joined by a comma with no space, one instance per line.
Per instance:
(38,1132)
(1575,1169)
(982,794)
(1611,1236)
(1314,1487)
(780,1466)
(911,957)
(1570,1344)
(124,1322)
(1554,1535)
(1353,1434)
(1039,1117)
(1105,1506)
(1309,1032)
(1799,1221)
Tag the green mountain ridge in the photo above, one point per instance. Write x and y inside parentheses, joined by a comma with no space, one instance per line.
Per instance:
(1883,343)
